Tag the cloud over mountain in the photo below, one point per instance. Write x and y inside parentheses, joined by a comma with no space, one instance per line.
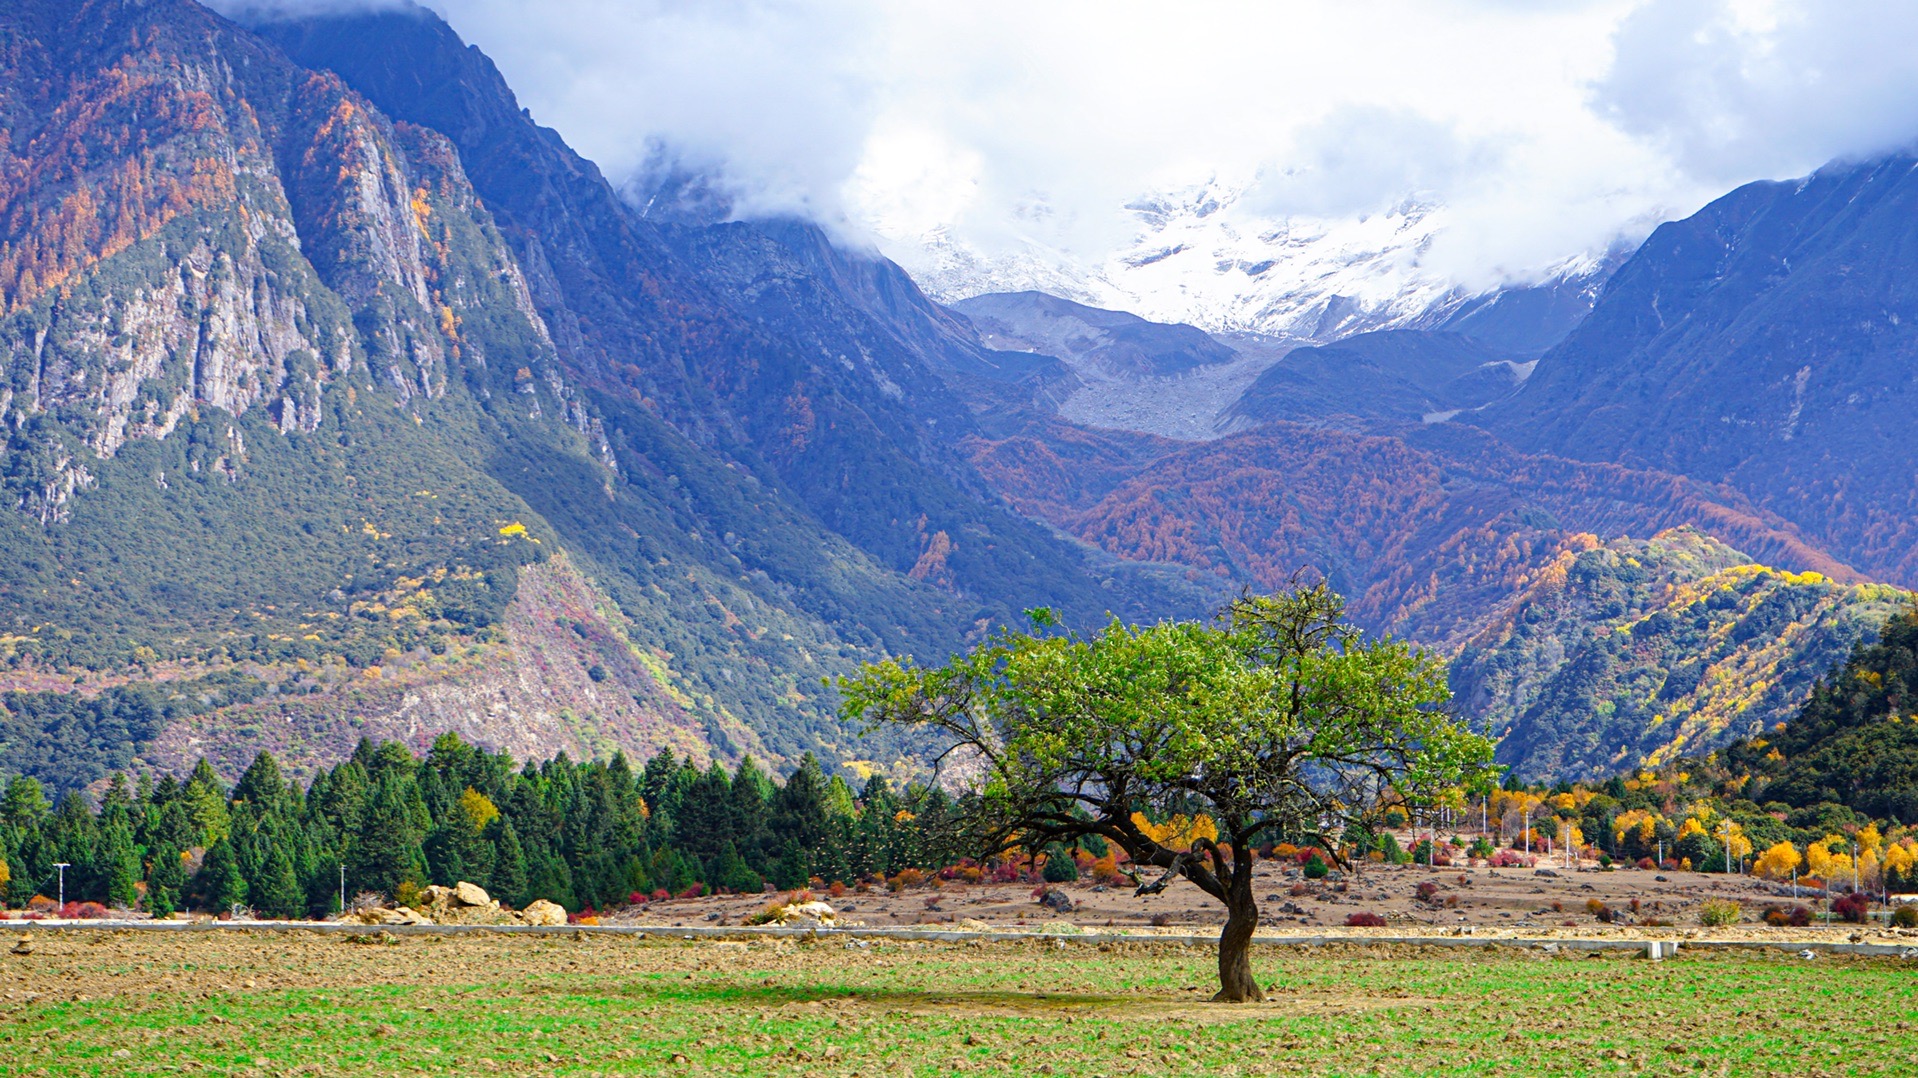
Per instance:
(1546,130)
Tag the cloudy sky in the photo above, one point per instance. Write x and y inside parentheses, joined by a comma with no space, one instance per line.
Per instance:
(1546,127)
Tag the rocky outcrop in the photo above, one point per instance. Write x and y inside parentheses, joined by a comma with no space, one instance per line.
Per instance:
(463,903)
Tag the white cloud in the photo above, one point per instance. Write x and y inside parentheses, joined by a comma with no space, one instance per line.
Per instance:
(1738,89)
(1012,126)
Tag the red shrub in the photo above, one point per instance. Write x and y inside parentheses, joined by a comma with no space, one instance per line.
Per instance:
(1365,920)
(1428,891)
(637,898)
(694,891)
(1783,917)
(1852,907)
(1647,863)
(660,894)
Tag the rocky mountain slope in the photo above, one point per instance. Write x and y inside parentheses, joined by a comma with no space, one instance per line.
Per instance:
(1766,343)
(308,371)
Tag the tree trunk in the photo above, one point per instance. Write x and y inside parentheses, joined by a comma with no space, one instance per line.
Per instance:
(1236,983)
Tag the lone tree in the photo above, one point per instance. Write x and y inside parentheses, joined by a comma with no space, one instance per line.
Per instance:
(1278,720)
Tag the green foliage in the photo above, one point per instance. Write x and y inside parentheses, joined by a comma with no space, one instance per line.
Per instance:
(1718,912)
(1275,720)
(1059,867)
(581,834)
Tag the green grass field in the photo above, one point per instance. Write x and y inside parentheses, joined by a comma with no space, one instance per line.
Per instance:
(301,1003)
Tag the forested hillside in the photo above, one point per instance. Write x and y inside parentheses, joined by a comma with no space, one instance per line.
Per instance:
(1429,533)
(1633,652)
(1854,743)
(1765,343)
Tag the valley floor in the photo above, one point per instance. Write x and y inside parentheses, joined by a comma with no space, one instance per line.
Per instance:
(292,1002)
(1523,901)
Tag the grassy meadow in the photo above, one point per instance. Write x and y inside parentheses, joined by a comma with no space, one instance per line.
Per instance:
(303,1003)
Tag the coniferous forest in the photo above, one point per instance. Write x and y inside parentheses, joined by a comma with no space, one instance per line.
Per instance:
(584,835)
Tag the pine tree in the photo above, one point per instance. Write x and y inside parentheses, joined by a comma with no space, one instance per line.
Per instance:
(119,865)
(730,871)
(386,851)
(165,878)
(705,819)
(278,893)
(206,804)
(508,881)
(219,883)
(262,785)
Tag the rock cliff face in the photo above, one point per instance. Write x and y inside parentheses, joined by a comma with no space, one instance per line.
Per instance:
(315,368)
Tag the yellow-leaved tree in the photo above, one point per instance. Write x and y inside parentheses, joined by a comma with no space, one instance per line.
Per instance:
(479,808)
(1778,862)
(1178,832)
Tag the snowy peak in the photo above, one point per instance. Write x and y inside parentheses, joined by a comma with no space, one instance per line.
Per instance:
(1207,255)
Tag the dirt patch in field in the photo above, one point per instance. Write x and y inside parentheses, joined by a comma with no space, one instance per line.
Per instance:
(1557,903)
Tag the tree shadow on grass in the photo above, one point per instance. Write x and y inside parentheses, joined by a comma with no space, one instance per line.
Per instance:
(832,1001)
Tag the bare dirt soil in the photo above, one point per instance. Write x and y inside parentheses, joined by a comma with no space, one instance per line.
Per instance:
(1515,901)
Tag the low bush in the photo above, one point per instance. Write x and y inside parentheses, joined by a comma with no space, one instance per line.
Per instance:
(1905,916)
(1367,919)
(1060,867)
(1316,868)
(1427,891)
(1719,912)
(1647,863)
(1787,917)
(1852,908)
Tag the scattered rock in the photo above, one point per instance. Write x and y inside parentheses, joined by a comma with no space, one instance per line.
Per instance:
(471,894)
(1547,873)
(542,912)
(25,946)
(1057,901)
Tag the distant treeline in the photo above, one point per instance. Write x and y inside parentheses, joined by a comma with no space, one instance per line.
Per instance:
(580,834)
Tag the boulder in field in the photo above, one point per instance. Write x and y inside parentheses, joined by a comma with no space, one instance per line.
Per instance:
(542,912)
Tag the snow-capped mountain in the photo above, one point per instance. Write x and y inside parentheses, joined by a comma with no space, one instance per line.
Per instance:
(1203,256)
